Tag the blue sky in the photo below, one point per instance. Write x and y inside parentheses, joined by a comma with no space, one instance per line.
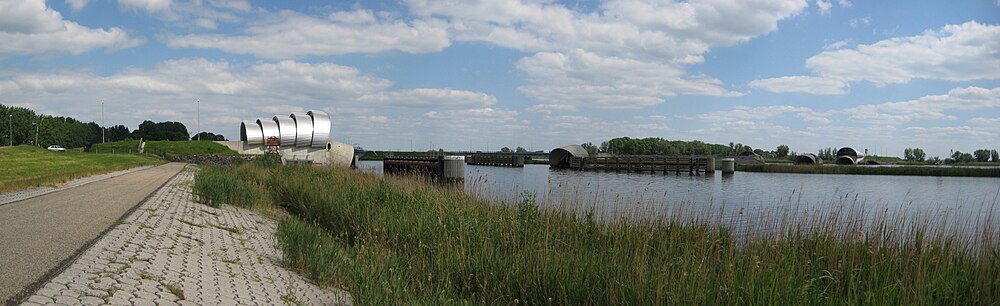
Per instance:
(461,75)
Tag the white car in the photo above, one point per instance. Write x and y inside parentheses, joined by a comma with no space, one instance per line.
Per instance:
(56,148)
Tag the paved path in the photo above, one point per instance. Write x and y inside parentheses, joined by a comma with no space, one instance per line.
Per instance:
(39,234)
(21,195)
(172,250)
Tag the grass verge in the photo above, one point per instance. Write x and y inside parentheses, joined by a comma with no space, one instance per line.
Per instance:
(866,170)
(26,166)
(165,147)
(394,241)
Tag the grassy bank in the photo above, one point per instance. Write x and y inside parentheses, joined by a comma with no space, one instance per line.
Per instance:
(165,147)
(393,241)
(26,166)
(900,170)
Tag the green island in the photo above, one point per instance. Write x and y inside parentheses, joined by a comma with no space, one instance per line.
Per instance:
(402,240)
(27,166)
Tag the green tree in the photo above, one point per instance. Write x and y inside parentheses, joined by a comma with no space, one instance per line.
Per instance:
(908,154)
(782,151)
(982,155)
(590,147)
(962,158)
(207,136)
(919,155)
(521,150)
(505,150)
(996,156)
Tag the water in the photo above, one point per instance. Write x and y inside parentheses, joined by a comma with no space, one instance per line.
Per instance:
(744,193)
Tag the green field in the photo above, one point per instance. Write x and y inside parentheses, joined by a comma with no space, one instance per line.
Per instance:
(165,147)
(899,170)
(403,241)
(26,166)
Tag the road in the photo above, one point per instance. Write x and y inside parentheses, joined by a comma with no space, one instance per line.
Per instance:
(39,235)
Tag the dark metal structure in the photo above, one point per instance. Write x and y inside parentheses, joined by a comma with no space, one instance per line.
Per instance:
(808,159)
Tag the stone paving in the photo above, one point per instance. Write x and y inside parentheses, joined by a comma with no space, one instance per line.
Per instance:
(21,195)
(174,251)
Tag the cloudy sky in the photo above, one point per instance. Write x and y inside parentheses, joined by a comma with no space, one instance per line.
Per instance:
(461,75)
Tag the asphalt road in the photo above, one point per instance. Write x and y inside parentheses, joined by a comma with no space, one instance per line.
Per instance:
(39,235)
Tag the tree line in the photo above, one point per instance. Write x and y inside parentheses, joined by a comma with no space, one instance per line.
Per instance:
(19,125)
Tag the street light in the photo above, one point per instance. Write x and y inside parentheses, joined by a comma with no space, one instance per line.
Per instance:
(11,116)
(199,119)
(102,122)
(36,132)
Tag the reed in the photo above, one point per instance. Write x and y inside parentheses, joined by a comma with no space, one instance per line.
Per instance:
(871,170)
(399,240)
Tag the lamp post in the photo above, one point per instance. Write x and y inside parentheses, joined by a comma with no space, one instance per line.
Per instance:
(11,116)
(103,139)
(36,124)
(199,119)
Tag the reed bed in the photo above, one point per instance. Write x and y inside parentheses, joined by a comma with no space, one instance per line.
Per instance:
(876,170)
(399,240)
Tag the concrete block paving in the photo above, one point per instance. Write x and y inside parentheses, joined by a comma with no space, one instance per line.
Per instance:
(175,251)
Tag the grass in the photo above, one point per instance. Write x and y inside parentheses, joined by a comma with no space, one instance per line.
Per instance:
(866,170)
(165,147)
(394,241)
(27,166)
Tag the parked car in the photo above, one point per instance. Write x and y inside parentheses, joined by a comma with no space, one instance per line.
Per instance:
(56,148)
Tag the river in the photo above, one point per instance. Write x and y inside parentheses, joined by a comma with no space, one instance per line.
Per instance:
(962,199)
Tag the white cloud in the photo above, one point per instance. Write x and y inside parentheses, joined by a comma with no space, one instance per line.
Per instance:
(550,108)
(30,27)
(845,3)
(291,35)
(840,44)
(440,98)
(802,84)
(955,53)
(744,113)
(824,6)
(581,78)
(152,6)
(229,92)
(986,121)
(934,107)
(77,5)
(855,22)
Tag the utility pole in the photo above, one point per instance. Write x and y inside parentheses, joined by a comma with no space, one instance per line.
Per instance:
(36,131)
(11,116)
(103,139)
(199,119)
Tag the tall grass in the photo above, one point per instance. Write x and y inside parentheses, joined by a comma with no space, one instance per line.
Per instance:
(396,240)
(868,170)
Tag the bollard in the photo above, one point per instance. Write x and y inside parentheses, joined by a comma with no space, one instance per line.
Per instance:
(453,169)
(728,165)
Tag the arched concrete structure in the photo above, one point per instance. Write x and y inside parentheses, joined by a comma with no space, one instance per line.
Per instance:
(808,159)
(560,157)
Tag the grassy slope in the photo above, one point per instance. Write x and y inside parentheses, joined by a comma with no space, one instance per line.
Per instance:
(393,241)
(167,147)
(901,170)
(25,166)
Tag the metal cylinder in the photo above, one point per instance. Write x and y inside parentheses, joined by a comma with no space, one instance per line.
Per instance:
(710,165)
(728,165)
(454,168)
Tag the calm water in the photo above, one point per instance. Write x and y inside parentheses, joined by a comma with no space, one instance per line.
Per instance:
(959,198)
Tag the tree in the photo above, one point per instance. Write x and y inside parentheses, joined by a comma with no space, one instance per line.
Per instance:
(521,150)
(505,150)
(996,156)
(826,154)
(919,155)
(590,147)
(908,154)
(207,136)
(167,130)
(962,158)
(782,151)
(982,155)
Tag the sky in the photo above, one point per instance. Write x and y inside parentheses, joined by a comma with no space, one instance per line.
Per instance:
(480,75)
